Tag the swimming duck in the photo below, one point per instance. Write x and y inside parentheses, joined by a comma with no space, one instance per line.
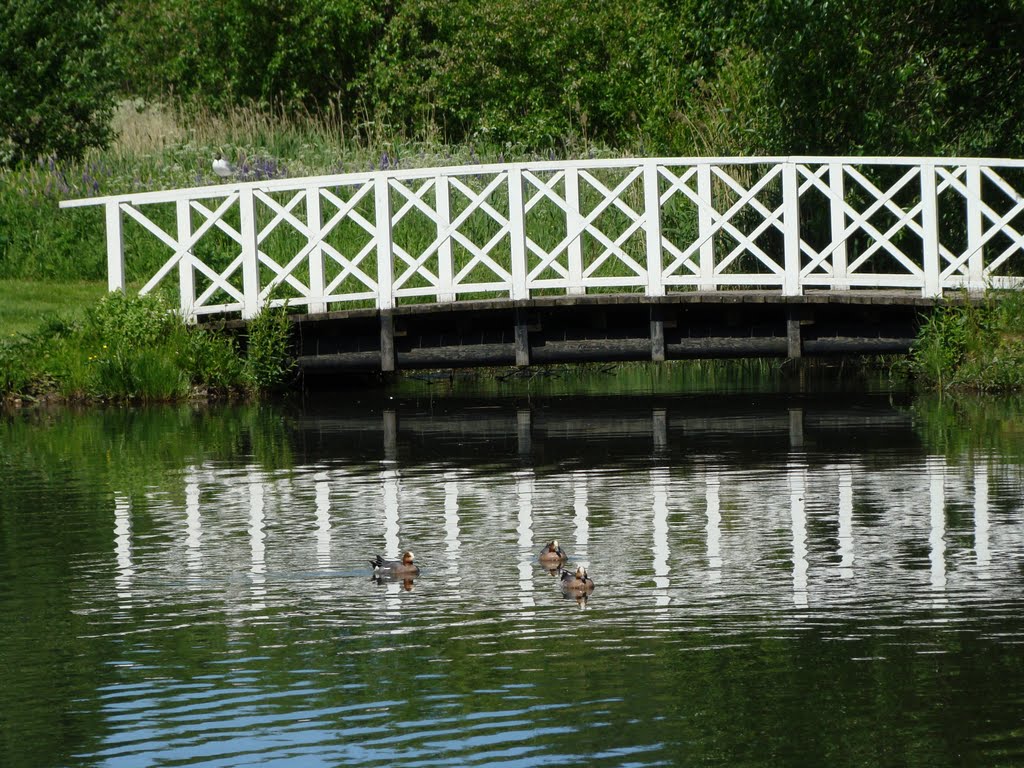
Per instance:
(577,583)
(403,567)
(553,555)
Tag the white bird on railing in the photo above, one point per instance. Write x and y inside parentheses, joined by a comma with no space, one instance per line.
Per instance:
(221,166)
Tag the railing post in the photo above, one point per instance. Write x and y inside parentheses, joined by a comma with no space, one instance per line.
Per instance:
(250,254)
(574,223)
(791,225)
(115,247)
(186,269)
(837,198)
(316,253)
(930,232)
(975,247)
(445,287)
(704,225)
(652,228)
(385,274)
(517,233)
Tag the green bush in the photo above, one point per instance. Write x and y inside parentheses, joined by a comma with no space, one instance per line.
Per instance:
(126,348)
(56,79)
(977,347)
(269,363)
(214,362)
(303,52)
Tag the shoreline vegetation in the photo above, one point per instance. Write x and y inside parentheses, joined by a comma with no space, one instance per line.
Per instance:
(63,339)
(116,97)
(136,349)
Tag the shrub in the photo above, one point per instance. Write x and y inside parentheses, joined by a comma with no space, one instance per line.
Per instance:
(269,363)
(968,346)
(56,79)
(214,362)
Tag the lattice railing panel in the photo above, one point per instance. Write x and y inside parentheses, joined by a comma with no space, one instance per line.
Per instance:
(1000,229)
(549,234)
(348,241)
(612,237)
(481,233)
(216,256)
(519,230)
(724,225)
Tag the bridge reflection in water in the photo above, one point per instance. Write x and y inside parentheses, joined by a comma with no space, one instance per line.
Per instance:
(670,525)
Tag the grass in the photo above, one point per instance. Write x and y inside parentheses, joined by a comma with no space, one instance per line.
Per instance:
(122,348)
(27,304)
(978,347)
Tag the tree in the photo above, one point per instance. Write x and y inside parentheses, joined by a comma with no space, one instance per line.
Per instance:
(56,79)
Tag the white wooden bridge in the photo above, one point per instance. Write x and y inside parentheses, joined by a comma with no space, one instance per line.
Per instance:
(379,240)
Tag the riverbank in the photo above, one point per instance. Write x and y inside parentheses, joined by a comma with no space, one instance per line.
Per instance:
(135,349)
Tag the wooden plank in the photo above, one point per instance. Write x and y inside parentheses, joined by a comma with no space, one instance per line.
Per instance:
(657,339)
(794,347)
(387,342)
(115,248)
(522,340)
(250,256)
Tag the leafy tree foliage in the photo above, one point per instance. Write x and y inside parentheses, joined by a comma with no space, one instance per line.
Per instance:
(275,52)
(664,76)
(901,77)
(56,80)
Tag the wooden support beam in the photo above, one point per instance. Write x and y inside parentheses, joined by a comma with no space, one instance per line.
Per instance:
(522,340)
(794,343)
(387,342)
(657,336)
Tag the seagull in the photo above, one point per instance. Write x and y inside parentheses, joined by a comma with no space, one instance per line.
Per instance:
(221,166)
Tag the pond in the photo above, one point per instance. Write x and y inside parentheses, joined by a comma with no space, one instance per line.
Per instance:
(781,578)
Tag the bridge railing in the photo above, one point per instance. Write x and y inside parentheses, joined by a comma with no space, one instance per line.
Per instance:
(656,225)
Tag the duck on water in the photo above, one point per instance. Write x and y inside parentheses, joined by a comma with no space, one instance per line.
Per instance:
(403,567)
(577,583)
(552,555)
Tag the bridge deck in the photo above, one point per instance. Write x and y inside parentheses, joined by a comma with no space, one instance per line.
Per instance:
(611,327)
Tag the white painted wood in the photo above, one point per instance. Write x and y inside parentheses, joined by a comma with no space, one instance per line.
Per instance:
(250,257)
(652,230)
(930,239)
(706,229)
(115,247)
(186,272)
(575,226)
(791,223)
(317,289)
(445,289)
(975,248)
(528,261)
(517,233)
(838,224)
(385,275)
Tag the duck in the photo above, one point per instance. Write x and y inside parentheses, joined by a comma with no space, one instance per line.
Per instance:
(577,583)
(403,567)
(553,555)
(222,167)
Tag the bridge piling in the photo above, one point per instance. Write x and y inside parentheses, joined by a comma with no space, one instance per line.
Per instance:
(387,342)
(657,336)
(794,342)
(522,339)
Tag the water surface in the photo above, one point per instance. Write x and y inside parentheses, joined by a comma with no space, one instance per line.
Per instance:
(782,579)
